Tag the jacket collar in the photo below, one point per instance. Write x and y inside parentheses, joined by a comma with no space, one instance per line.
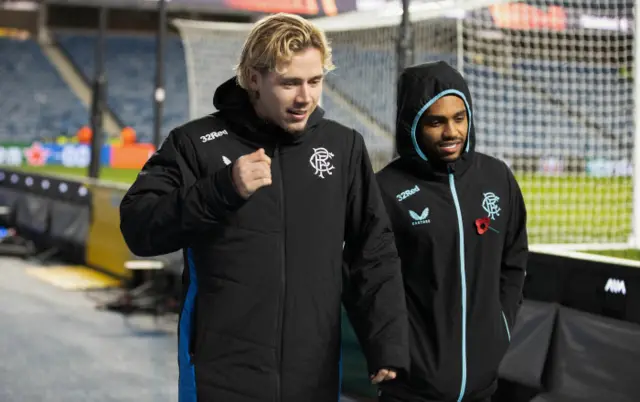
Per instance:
(235,107)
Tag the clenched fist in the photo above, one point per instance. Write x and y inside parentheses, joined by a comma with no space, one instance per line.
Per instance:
(250,172)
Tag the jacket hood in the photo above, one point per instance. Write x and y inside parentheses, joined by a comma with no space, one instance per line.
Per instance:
(419,87)
(230,96)
(234,103)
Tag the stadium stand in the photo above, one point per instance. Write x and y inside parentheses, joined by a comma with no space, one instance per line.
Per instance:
(39,102)
(355,66)
(130,70)
(338,113)
(527,97)
(520,99)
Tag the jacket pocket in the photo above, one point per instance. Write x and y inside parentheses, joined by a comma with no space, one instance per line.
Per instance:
(506,325)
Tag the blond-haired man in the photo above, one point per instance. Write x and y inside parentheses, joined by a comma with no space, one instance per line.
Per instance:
(261,196)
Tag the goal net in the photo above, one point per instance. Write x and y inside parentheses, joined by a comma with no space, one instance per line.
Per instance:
(551,83)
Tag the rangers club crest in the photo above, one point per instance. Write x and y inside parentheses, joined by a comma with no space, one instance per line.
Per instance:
(321,162)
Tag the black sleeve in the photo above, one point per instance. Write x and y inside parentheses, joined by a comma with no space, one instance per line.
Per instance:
(373,293)
(169,204)
(515,254)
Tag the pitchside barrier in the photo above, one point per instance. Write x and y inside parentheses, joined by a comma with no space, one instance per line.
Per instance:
(576,337)
(556,354)
(74,220)
(595,284)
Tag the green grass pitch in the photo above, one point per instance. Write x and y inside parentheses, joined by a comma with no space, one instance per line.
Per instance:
(579,209)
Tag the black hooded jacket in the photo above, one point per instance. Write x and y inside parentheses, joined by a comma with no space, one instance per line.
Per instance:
(262,307)
(460,230)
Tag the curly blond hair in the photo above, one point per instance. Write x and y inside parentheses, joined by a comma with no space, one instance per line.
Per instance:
(274,40)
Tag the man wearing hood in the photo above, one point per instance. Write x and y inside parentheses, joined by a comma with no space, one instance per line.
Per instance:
(261,196)
(460,225)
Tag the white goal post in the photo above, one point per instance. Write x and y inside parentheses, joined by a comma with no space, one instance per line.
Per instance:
(553,92)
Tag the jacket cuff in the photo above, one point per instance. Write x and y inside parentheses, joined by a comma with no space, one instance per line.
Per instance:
(389,357)
(224,191)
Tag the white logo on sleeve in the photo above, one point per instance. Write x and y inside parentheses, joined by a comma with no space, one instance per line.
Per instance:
(320,161)
(213,135)
(226,160)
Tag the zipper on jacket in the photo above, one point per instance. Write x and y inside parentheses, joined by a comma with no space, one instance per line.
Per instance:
(283,283)
(463,282)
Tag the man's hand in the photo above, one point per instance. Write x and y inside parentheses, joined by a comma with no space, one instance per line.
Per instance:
(250,172)
(383,375)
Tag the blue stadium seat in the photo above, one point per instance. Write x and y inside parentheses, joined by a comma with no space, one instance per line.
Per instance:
(36,103)
(360,77)
(515,111)
(130,71)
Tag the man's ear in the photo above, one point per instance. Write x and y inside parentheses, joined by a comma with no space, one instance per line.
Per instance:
(254,79)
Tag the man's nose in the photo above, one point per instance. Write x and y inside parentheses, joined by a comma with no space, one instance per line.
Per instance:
(304,94)
(449,129)
(454,129)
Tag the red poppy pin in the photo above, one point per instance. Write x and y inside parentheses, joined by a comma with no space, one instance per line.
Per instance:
(484,224)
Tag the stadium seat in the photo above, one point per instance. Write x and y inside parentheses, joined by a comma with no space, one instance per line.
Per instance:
(516,111)
(130,71)
(39,102)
